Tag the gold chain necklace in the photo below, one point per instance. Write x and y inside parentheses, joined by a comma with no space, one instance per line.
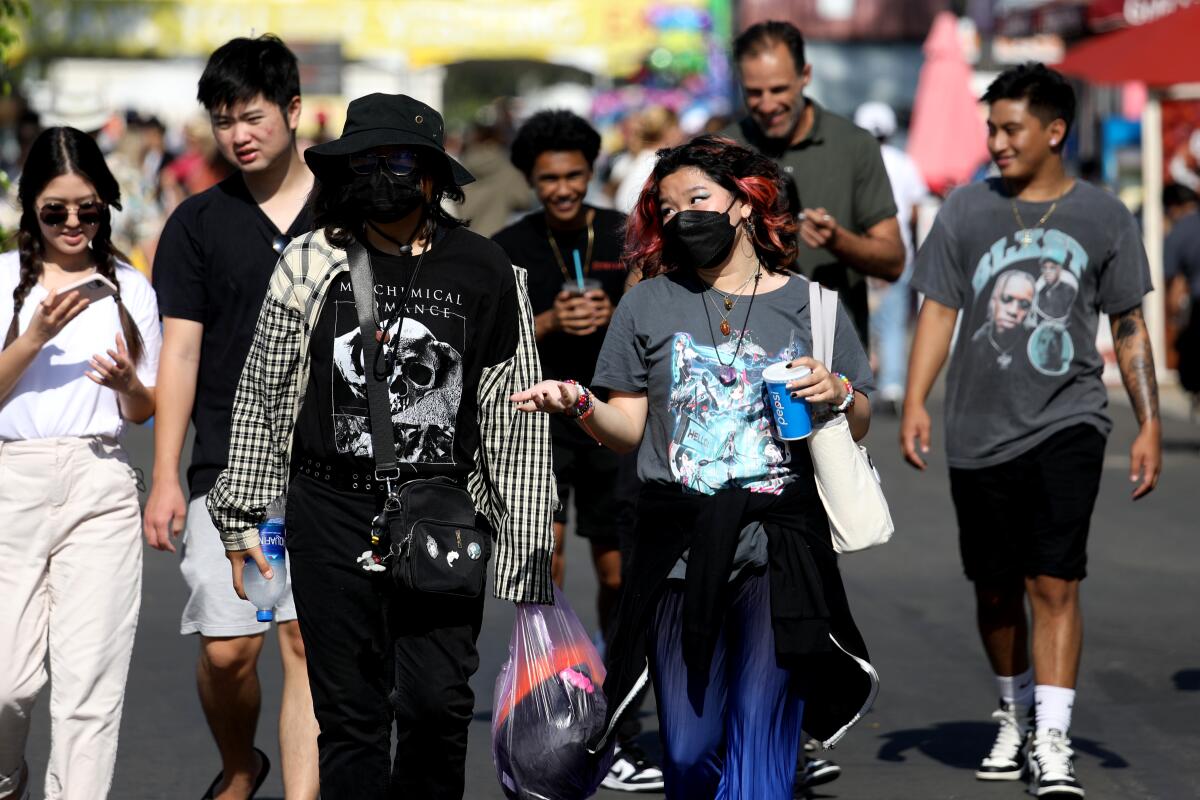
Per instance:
(1026,235)
(587,259)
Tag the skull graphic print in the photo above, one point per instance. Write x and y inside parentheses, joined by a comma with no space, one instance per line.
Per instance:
(425,388)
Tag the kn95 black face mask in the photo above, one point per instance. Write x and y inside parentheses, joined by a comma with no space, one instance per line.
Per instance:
(386,198)
(698,239)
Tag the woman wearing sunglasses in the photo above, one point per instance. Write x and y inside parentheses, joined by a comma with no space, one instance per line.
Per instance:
(70,538)
(453,337)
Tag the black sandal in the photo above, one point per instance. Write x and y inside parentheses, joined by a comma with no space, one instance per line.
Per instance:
(258,782)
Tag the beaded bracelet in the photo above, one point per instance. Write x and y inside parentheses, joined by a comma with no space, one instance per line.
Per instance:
(584,406)
(848,401)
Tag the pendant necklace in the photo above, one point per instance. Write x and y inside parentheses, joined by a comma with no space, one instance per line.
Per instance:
(729,302)
(727,374)
(1004,359)
(387,347)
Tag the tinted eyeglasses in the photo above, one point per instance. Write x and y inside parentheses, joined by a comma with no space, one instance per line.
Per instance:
(279,243)
(400,163)
(55,214)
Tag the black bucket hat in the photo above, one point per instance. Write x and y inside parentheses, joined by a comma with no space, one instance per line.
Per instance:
(385,119)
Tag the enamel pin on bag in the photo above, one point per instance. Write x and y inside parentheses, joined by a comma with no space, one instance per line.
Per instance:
(437,546)
(847,480)
(436,541)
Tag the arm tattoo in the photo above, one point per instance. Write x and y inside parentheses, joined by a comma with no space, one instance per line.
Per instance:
(1136,361)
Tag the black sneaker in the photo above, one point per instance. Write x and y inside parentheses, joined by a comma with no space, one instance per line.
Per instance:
(631,771)
(818,771)
(1010,751)
(1052,773)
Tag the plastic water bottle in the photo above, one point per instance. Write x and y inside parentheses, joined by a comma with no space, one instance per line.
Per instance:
(265,594)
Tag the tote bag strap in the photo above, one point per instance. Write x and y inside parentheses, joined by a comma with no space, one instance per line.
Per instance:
(822,315)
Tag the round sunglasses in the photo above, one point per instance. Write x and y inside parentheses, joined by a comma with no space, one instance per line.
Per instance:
(400,163)
(56,214)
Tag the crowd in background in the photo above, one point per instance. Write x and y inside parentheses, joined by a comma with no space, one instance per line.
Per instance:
(158,166)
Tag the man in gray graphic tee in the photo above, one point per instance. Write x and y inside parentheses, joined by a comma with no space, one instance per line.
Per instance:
(1027,365)
(1025,264)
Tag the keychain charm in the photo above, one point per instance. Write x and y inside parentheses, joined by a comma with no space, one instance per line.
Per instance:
(379,526)
(371,562)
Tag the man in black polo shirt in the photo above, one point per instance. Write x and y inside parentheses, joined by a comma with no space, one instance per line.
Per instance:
(212,265)
(572,252)
(848,228)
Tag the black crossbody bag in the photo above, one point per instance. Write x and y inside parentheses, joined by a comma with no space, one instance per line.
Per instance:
(429,524)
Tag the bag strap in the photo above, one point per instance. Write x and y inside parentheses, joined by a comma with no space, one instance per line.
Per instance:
(383,438)
(822,317)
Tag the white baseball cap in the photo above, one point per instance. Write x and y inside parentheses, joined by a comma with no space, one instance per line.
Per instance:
(876,118)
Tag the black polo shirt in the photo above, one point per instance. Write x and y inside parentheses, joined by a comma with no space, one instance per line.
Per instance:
(212,266)
(839,167)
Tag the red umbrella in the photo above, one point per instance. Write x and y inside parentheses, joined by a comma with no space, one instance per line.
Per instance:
(948,137)
(1154,53)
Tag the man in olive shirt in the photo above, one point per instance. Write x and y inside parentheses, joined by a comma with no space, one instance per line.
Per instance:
(848,228)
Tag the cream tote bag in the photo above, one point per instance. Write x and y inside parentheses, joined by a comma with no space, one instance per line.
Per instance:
(847,480)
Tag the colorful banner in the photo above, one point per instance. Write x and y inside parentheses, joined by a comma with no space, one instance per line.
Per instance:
(610,37)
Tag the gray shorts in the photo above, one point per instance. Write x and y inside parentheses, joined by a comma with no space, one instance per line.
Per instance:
(213,609)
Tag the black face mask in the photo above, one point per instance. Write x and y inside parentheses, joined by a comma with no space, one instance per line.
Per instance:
(698,239)
(385,198)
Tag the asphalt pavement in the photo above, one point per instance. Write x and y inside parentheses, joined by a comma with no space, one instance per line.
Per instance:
(1135,724)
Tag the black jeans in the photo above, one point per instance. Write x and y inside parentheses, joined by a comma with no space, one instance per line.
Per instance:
(376,655)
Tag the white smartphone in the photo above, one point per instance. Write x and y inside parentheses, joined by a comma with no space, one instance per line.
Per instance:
(92,287)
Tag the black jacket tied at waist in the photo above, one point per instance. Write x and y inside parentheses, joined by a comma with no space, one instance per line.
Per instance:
(815,635)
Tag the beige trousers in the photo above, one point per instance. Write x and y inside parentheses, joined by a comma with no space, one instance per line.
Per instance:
(70,590)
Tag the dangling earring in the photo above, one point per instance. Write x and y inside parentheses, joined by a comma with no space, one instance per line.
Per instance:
(748,224)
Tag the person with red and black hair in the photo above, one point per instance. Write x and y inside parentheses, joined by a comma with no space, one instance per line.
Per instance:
(732,597)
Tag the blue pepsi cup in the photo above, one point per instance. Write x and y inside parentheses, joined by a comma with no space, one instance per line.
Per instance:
(792,419)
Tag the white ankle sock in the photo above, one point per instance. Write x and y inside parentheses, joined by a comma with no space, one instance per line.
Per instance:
(1017,689)
(1054,704)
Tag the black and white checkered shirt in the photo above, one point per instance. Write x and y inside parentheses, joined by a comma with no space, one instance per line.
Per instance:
(512,483)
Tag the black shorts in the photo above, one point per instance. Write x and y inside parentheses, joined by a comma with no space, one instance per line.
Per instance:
(1030,516)
(589,472)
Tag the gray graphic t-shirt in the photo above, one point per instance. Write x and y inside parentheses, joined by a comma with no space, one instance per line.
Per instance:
(708,427)
(1025,363)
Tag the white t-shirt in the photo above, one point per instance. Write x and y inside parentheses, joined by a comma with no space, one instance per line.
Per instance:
(907,187)
(54,397)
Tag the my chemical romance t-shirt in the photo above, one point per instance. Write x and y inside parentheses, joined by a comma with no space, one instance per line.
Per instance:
(528,245)
(708,429)
(459,317)
(1025,364)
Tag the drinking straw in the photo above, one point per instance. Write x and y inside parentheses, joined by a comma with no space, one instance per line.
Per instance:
(578,270)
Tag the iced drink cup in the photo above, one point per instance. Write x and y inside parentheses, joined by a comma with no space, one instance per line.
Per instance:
(791,415)
(589,284)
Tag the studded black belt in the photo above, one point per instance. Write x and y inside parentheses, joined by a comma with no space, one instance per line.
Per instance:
(341,479)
